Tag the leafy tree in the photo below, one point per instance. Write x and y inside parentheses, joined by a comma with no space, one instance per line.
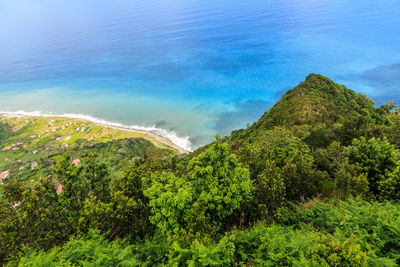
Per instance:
(270,188)
(390,187)
(377,157)
(318,137)
(74,190)
(350,179)
(278,145)
(38,216)
(301,179)
(282,166)
(214,187)
(97,176)
(125,213)
(34,219)
(170,200)
(392,130)
(329,159)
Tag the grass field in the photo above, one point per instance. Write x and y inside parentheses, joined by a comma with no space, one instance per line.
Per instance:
(31,144)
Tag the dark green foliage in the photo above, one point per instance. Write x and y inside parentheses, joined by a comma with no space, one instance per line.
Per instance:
(97,175)
(351,180)
(392,130)
(374,226)
(302,180)
(378,158)
(32,217)
(124,212)
(275,194)
(320,111)
(39,217)
(345,233)
(4,131)
(282,168)
(389,188)
(90,250)
(270,188)
(329,159)
(285,246)
(277,144)
(201,201)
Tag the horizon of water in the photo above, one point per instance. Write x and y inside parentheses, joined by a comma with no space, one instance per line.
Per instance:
(192,68)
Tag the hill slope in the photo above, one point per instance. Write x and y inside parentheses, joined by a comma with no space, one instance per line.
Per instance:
(319,110)
(268,195)
(30,144)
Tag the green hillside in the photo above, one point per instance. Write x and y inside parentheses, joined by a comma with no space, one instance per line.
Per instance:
(319,111)
(29,146)
(314,182)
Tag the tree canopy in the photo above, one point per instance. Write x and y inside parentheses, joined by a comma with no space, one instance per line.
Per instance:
(314,182)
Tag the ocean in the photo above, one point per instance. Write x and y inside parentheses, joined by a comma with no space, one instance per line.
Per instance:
(185,68)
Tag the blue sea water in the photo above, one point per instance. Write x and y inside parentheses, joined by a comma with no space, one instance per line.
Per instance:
(189,66)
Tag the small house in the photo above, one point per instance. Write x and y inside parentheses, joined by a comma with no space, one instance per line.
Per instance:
(60,188)
(4,175)
(34,165)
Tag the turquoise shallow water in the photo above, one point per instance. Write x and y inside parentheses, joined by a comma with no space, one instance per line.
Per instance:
(192,67)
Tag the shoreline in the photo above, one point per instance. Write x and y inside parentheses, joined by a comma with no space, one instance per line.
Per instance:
(151,132)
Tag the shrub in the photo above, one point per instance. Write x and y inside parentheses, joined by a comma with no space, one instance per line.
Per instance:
(201,202)
(90,250)
(389,188)
(350,179)
(374,226)
(377,157)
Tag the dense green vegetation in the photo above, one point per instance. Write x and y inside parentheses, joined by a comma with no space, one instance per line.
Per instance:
(315,182)
(29,146)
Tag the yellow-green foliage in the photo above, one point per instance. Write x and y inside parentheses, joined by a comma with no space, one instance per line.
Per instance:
(275,194)
(374,226)
(377,158)
(40,140)
(350,179)
(75,129)
(90,250)
(321,111)
(345,233)
(213,189)
(330,252)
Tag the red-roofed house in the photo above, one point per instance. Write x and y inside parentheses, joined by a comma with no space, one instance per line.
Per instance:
(18,143)
(76,162)
(3,175)
(60,188)
(16,128)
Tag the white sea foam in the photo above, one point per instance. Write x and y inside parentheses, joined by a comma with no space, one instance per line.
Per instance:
(182,142)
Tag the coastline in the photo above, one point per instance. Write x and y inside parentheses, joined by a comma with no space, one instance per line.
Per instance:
(152,133)
(158,137)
